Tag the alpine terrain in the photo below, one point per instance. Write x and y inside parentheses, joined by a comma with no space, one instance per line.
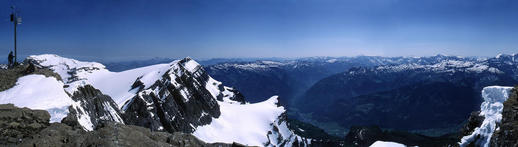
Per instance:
(177,97)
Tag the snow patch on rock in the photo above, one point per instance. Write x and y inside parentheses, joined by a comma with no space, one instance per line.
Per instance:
(247,124)
(39,92)
(491,109)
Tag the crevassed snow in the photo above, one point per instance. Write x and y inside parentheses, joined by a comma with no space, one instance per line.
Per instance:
(491,109)
(236,121)
(386,144)
(39,92)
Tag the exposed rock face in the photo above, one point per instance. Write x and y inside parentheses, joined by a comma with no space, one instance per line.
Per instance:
(19,123)
(25,127)
(8,77)
(91,107)
(507,135)
(281,135)
(474,121)
(363,136)
(179,101)
(367,135)
(112,134)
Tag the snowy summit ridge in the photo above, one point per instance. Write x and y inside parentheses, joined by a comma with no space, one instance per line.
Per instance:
(178,96)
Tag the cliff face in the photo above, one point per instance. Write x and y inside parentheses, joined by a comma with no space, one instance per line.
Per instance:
(507,134)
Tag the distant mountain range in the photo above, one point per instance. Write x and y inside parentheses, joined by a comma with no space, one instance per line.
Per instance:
(336,93)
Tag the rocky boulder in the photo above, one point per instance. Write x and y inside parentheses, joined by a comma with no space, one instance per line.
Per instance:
(113,134)
(16,124)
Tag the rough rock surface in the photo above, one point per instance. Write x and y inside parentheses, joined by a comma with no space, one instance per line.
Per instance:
(19,123)
(177,102)
(25,127)
(92,107)
(112,134)
(474,121)
(8,77)
(507,135)
(367,135)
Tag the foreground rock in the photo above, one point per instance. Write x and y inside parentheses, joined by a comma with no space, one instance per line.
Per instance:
(507,135)
(18,123)
(367,135)
(25,127)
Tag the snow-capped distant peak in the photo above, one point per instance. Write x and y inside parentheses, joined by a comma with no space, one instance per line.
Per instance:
(443,66)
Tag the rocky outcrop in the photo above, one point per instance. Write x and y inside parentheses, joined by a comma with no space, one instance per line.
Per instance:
(281,135)
(112,134)
(16,124)
(179,101)
(25,127)
(9,76)
(90,108)
(367,135)
(474,121)
(507,134)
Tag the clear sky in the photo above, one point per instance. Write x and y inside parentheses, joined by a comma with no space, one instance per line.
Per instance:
(133,29)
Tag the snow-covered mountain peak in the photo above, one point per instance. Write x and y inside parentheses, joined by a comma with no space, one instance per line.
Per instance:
(446,66)
(63,65)
(74,73)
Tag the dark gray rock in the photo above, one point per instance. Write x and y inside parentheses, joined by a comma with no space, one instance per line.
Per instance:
(112,134)
(19,123)
(507,135)
(27,128)
(96,105)
(174,107)
(474,121)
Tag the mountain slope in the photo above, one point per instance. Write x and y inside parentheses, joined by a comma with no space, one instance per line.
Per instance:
(178,96)
(491,110)
(377,95)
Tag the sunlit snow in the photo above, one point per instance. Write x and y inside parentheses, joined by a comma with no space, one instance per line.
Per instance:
(491,109)
(386,144)
(247,124)
(39,92)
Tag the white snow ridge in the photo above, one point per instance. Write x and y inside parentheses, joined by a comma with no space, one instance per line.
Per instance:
(258,124)
(491,109)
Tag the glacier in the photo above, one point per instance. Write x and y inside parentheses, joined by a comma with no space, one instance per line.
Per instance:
(491,109)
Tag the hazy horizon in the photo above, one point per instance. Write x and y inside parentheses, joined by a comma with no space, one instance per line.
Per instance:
(136,29)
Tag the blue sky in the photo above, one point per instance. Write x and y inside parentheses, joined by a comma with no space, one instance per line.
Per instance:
(136,29)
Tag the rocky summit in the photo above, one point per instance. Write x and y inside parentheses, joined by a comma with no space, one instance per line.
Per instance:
(174,100)
(26,127)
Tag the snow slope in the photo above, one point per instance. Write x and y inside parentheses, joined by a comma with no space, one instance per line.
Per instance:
(39,92)
(115,84)
(386,144)
(259,124)
(236,121)
(491,109)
